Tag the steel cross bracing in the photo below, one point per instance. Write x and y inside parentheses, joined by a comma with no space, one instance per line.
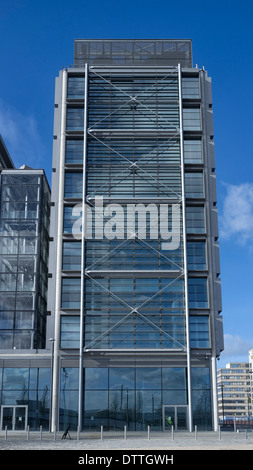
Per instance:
(134,235)
(132,99)
(133,311)
(180,271)
(136,165)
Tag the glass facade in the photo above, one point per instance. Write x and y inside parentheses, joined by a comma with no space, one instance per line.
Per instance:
(132,396)
(137,287)
(24,240)
(144,310)
(134,289)
(27,386)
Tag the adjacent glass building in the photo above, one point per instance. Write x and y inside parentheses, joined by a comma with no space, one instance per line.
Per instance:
(25,198)
(24,242)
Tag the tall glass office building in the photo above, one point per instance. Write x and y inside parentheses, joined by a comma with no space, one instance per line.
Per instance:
(134,292)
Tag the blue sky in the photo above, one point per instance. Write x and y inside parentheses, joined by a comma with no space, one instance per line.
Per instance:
(37,40)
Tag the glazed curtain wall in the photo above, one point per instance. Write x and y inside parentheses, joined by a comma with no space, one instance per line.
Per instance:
(121,166)
(132,396)
(24,242)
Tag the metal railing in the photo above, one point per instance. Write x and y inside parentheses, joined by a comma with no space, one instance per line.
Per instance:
(171,436)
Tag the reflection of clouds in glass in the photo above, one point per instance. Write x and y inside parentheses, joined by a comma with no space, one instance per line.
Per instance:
(96,378)
(15,379)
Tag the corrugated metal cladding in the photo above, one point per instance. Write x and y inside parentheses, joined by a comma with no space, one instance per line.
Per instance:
(169,52)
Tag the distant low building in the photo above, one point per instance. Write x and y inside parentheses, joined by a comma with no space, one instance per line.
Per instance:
(235,390)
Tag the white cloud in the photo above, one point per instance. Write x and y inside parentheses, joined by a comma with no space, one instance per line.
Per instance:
(235,348)
(21,136)
(237,216)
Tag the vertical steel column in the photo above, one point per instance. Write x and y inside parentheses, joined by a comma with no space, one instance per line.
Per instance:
(55,384)
(210,253)
(188,349)
(215,393)
(82,303)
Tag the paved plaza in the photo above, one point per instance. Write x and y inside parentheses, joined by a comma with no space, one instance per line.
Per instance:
(132,441)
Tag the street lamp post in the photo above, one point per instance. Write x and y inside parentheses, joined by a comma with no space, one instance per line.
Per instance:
(52,340)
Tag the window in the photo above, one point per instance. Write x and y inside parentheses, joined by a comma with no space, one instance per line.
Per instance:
(199,331)
(69,219)
(75,119)
(76,87)
(191,119)
(195,219)
(71,290)
(71,256)
(190,87)
(194,185)
(197,292)
(96,378)
(70,332)
(196,255)
(165,298)
(193,151)
(73,185)
(74,151)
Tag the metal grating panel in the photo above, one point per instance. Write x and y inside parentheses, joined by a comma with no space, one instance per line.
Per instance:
(144,52)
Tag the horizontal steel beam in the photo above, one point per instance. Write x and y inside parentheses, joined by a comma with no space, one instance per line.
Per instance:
(132,351)
(130,273)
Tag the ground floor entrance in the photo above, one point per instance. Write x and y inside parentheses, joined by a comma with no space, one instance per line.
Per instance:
(14,417)
(176,416)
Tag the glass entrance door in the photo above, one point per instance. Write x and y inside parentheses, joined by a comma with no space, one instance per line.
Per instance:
(14,417)
(176,416)
(20,418)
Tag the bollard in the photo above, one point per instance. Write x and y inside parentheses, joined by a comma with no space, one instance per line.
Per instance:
(196,437)
(102,433)
(78,433)
(6,433)
(41,433)
(148,433)
(219,434)
(246,434)
(172,432)
(125,433)
(28,432)
(55,434)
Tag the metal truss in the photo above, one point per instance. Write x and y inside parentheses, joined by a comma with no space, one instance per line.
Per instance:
(133,311)
(132,99)
(133,166)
